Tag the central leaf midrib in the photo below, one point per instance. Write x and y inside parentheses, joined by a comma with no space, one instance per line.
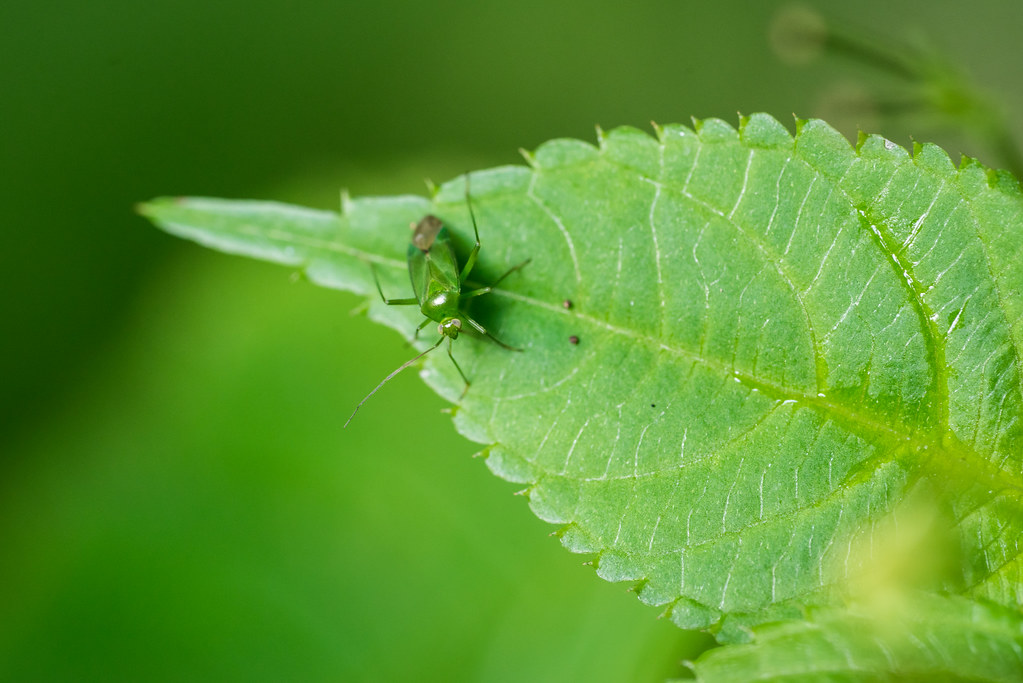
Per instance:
(872,427)
(875,428)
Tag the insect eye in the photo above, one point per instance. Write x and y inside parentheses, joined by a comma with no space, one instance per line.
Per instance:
(440,328)
(457,323)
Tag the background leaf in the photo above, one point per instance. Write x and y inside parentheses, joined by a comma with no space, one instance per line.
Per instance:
(935,639)
(782,342)
(244,522)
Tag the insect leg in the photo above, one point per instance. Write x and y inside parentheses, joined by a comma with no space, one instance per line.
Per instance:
(510,271)
(388,378)
(471,261)
(457,367)
(482,330)
(485,290)
(476,292)
(420,328)
(390,302)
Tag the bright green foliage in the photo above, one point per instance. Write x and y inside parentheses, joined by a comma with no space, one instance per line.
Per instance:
(788,347)
(943,639)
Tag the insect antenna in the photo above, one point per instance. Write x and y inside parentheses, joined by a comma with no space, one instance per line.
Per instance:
(386,379)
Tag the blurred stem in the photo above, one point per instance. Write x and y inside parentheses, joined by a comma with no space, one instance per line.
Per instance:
(863,53)
(939,88)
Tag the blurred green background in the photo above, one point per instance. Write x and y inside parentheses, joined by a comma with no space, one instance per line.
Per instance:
(178,500)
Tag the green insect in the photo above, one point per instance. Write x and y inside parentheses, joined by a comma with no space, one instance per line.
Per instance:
(437,283)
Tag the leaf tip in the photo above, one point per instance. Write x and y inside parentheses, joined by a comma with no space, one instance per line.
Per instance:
(432,189)
(966,161)
(744,124)
(530,158)
(800,122)
(150,208)
(658,130)
(861,139)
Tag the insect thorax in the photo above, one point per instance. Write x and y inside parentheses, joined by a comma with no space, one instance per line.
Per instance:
(440,303)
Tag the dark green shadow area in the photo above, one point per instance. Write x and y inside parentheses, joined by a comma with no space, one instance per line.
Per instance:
(219,524)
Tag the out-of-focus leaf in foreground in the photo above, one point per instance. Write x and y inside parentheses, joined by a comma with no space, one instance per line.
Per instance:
(936,639)
(781,340)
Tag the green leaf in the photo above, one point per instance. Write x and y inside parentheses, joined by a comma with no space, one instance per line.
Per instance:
(785,345)
(933,639)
